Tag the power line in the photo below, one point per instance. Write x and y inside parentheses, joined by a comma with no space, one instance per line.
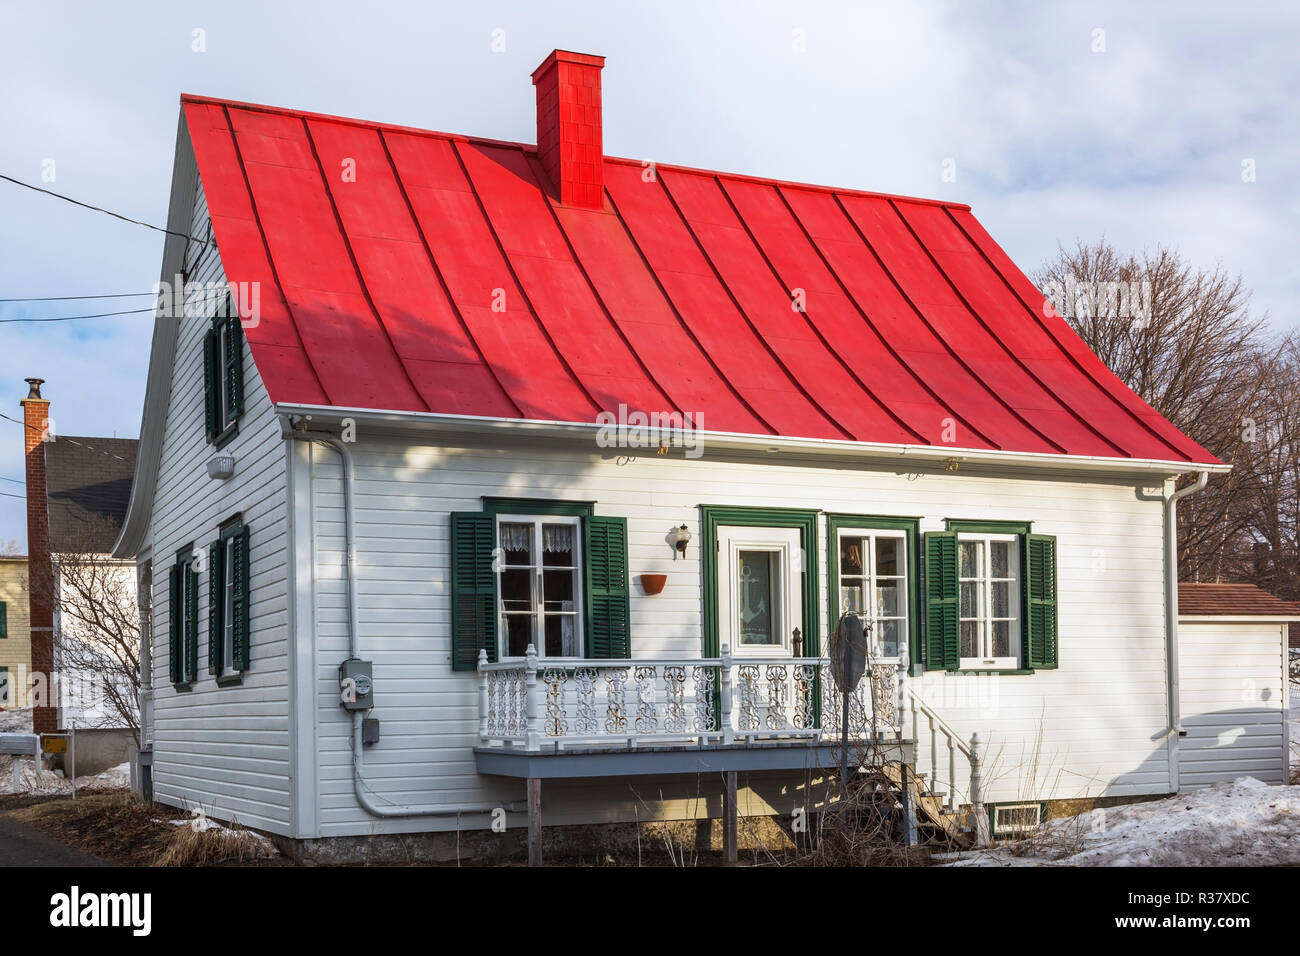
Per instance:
(14,480)
(86,205)
(67,298)
(75,318)
(209,294)
(8,495)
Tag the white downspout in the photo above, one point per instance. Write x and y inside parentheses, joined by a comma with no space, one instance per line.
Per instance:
(1175,731)
(359,786)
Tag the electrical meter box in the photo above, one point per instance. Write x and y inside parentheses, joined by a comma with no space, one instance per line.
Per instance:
(355,684)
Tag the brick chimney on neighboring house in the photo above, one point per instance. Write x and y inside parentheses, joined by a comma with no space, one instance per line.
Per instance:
(36,418)
(569,142)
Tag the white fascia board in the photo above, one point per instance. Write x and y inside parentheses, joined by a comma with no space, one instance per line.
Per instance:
(328,416)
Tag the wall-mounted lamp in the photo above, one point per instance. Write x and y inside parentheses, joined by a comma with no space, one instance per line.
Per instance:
(681,538)
(221,467)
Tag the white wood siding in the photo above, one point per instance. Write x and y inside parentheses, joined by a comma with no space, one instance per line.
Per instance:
(225,749)
(1234,702)
(1101,714)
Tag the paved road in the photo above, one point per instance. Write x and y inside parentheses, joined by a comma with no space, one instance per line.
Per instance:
(21,845)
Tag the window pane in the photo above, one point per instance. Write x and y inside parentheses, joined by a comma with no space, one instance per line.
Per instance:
(519,634)
(970,599)
(561,636)
(970,642)
(1001,639)
(557,590)
(517,589)
(1001,558)
(1001,598)
(889,556)
(888,599)
(851,598)
(558,545)
(851,556)
(969,554)
(887,636)
(756,598)
(516,542)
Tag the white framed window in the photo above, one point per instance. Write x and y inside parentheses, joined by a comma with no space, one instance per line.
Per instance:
(988,574)
(228,606)
(873,584)
(540,585)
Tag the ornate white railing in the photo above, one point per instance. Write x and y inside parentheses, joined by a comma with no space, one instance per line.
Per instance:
(535,704)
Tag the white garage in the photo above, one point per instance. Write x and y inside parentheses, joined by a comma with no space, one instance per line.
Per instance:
(1233,683)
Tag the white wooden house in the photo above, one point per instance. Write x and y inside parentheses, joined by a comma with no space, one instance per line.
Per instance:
(475,397)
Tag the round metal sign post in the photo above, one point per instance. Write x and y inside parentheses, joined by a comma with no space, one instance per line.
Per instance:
(848,653)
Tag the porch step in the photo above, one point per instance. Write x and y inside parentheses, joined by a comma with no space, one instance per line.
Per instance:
(931,809)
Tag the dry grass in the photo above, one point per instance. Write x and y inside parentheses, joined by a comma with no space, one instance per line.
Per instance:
(120,828)
(190,847)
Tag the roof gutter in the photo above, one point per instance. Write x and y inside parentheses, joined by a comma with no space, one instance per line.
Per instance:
(330,416)
(1175,730)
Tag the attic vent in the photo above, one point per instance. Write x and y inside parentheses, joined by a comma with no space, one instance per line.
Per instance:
(1011,818)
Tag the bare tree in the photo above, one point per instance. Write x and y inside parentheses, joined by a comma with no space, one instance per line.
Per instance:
(1185,339)
(97,639)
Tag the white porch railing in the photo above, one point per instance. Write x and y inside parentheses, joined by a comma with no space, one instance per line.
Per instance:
(533,704)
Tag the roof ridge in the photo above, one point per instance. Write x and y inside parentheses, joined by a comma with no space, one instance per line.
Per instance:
(532,148)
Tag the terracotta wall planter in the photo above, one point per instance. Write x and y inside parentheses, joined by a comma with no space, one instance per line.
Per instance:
(653,583)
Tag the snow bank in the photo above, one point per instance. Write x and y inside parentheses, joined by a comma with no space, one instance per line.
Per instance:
(53,783)
(1243,823)
(16,721)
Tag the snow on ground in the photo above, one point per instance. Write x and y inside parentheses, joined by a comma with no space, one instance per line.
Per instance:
(1243,823)
(16,721)
(52,782)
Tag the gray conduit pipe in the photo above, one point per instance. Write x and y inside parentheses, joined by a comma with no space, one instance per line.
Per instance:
(359,786)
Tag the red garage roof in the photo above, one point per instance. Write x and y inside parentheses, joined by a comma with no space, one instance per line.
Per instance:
(1232,600)
(448,277)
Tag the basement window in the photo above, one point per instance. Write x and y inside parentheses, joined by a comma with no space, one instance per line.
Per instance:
(540,585)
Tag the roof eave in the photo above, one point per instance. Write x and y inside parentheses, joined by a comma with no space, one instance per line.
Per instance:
(439,422)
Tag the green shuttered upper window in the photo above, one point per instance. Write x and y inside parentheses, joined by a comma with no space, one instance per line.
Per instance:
(223,375)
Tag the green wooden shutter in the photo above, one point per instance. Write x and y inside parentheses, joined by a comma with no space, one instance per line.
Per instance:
(210,382)
(216,605)
(240,599)
(4,619)
(234,364)
(942,609)
(191,582)
(174,624)
(473,589)
(1040,633)
(608,625)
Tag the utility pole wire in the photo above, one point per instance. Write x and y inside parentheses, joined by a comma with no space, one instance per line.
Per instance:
(86,205)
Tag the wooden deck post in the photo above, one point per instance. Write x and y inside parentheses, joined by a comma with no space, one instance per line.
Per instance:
(730,814)
(534,821)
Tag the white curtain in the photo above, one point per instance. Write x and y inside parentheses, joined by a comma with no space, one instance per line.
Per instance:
(557,538)
(517,537)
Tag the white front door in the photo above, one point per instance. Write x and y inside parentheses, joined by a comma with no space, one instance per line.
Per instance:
(760,591)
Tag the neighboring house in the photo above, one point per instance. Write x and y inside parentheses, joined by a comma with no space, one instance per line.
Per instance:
(403,464)
(77,496)
(1233,682)
(15,634)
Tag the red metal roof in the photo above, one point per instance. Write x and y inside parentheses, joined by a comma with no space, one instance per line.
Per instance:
(1232,600)
(446,278)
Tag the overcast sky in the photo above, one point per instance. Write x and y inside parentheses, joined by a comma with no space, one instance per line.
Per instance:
(1059,120)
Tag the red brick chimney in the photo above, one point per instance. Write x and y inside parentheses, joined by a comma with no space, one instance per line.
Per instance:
(36,416)
(569,142)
